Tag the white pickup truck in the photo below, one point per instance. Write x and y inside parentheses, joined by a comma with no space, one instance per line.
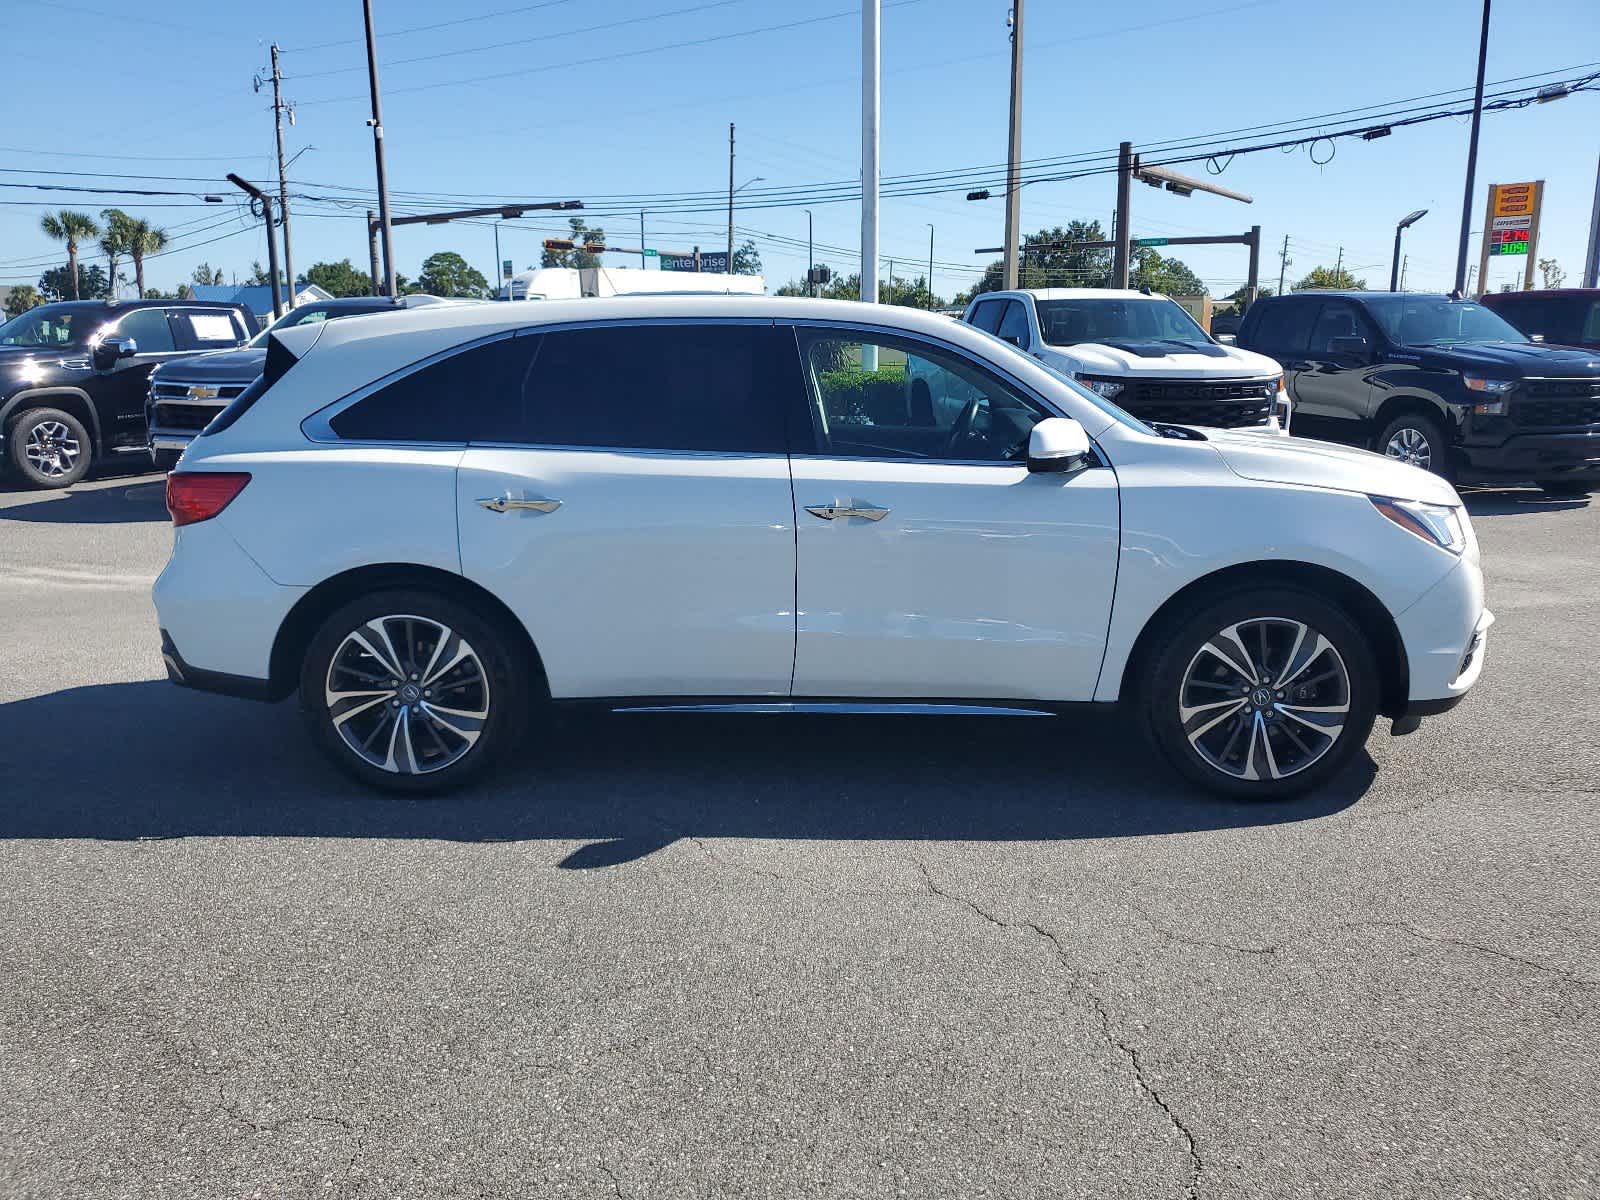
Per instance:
(1144,352)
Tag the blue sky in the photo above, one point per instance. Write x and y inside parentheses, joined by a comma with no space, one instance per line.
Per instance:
(589,99)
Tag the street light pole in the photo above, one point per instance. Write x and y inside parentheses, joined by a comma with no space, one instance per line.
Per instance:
(376,122)
(871,18)
(811,260)
(1472,158)
(1014,150)
(730,197)
(930,265)
(1394,269)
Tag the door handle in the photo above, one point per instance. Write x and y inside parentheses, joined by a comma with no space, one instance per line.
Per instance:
(831,512)
(502,504)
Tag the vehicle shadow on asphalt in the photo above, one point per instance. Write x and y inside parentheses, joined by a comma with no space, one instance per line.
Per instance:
(166,763)
(136,500)
(1504,502)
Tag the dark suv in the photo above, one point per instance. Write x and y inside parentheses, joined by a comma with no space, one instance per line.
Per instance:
(1443,384)
(74,376)
(185,396)
(1561,316)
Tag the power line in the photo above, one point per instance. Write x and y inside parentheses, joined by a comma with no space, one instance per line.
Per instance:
(394,33)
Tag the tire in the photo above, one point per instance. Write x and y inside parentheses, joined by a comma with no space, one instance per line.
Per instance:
(49,448)
(411,745)
(1566,489)
(166,460)
(1418,440)
(1265,747)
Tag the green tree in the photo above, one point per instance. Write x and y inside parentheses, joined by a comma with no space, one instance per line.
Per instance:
(1329,277)
(22,298)
(339,278)
(144,239)
(1058,266)
(448,274)
(57,283)
(70,227)
(1551,270)
(115,241)
(577,256)
(1239,294)
(1151,269)
(258,276)
(798,287)
(746,259)
(205,276)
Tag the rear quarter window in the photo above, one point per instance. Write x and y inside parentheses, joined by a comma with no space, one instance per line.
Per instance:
(1281,328)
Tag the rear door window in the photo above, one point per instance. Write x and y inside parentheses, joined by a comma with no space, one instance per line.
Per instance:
(718,388)
(986,315)
(1284,329)
(1014,325)
(200,330)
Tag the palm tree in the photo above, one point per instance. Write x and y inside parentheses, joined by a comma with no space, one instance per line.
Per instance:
(115,242)
(144,238)
(68,226)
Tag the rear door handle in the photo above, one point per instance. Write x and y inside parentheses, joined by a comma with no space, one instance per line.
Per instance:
(832,512)
(502,504)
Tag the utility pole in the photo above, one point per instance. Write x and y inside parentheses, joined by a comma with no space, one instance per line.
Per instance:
(730,196)
(1405,261)
(499,272)
(372,252)
(1472,159)
(1014,150)
(256,194)
(1591,269)
(1124,252)
(1251,288)
(376,122)
(930,266)
(643,260)
(278,107)
(811,260)
(1338,264)
(871,20)
(1283,262)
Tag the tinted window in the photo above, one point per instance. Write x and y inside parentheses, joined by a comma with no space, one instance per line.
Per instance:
(1436,321)
(660,387)
(1284,327)
(1591,324)
(896,398)
(1336,319)
(1014,325)
(473,395)
(149,329)
(210,330)
(986,316)
(1548,316)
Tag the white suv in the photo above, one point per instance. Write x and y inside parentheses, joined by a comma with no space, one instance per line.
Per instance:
(431,522)
(1144,351)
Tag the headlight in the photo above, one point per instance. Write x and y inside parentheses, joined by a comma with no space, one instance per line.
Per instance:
(1493,391)
(1109,389)
(1436,523)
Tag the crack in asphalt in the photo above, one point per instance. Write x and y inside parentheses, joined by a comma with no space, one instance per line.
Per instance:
(1086,996)
(616,1183)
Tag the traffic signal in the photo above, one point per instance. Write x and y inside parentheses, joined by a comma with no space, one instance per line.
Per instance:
(818,275)
(558,244)
(594,247)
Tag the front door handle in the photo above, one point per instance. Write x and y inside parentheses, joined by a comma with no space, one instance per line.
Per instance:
(831,512)
(502,504)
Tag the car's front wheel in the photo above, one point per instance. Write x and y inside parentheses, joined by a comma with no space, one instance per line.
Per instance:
(412,691)
(1262,694)
(1415,439)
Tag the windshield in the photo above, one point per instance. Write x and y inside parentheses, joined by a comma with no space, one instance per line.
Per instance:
(1068,322)
(50,327)
(1120,415)
(1437,321)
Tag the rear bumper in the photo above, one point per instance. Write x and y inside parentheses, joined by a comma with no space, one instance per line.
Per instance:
(246,687)
(1571,455)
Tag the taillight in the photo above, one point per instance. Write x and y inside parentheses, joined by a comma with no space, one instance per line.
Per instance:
(200,495)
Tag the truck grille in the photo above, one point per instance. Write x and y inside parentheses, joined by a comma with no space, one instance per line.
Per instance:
(1220,403)
(174,406)
(1558,402)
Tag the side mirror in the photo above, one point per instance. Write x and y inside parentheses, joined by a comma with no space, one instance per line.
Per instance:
(1350,347)
(110,349)
(1057,444)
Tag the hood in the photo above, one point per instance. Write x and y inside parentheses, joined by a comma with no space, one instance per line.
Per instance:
(220,366)
(1157,360)
(1295,460)
(1508,358)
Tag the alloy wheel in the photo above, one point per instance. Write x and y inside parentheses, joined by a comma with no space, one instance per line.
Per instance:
(1410,445)
(1264,698)
(52,449)
(407,694)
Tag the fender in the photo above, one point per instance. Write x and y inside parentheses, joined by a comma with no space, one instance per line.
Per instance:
(17,402)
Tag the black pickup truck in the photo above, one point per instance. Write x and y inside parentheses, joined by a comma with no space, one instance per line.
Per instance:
(1443,384)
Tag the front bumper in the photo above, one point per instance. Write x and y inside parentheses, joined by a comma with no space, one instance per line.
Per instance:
(1571,455)
(1445,635)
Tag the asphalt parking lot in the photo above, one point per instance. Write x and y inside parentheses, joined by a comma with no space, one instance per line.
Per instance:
(805,957)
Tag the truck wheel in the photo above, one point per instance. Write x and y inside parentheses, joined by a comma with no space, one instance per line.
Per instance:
(1566,489)
(1262,695)
(1418,440)
(49,448)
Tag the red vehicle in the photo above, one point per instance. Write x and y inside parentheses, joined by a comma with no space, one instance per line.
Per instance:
(1561,316)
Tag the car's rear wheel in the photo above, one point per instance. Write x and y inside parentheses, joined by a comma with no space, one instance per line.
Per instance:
(49,448)
(412,691)
(1415,439)
(1566,489)
(1262,694)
